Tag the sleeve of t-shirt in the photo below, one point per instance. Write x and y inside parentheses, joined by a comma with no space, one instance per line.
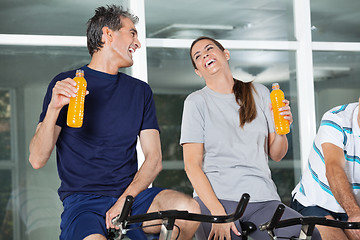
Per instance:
(61,121)
(149,119)
(330,131)
(192,125)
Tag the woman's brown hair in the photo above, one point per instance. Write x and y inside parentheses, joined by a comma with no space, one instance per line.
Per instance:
(243,91)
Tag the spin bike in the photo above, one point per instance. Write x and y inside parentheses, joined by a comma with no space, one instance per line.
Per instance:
(168,218)
(307,224)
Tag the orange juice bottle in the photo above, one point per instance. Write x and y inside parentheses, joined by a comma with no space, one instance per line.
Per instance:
(75,112)
(282,125)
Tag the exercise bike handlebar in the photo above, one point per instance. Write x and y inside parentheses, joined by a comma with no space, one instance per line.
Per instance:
(124,218)
(120,219)
(275,222)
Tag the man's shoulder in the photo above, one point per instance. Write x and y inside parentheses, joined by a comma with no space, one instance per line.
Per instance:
(341,114)
(125,78)
(63,75)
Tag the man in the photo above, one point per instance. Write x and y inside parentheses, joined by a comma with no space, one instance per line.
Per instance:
(330,184)
(97,163)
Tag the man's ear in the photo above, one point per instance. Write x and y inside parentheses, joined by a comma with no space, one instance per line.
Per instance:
(227,54)
(107,34)
(198,73)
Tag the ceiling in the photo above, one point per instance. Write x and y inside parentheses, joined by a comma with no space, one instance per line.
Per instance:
(332,20)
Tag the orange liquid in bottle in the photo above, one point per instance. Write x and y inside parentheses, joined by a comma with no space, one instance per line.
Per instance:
(75,114)
(282,125)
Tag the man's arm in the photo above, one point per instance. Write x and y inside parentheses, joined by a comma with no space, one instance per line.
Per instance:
(339,183)
(43,143)
(47,132)
(151,147)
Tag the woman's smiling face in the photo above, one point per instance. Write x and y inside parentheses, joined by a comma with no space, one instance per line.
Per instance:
(208,57)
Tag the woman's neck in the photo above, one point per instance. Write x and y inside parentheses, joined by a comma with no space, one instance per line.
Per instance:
(221,83)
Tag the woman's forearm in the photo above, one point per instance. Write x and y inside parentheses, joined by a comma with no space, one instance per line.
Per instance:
(278,146)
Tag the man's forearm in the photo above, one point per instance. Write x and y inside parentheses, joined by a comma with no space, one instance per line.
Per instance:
(341,188)
(145,176)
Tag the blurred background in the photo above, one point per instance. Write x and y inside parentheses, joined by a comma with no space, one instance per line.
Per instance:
(311,47)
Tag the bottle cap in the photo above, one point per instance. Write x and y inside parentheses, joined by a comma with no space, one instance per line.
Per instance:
(79,73)
(275,86)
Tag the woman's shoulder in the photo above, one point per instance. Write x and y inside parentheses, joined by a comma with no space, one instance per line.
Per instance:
(260,88)
(262,93)
(197,96)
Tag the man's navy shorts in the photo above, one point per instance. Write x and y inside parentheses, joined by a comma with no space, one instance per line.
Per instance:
(316,211)
(84,214)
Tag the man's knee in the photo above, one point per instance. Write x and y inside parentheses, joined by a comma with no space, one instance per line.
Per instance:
(171,199)
(195,208)
(95,237)
(189,204)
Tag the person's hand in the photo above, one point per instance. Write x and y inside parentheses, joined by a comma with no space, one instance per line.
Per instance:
(113,212)
(286,111)
(62,92)
(352,233)
(221,231)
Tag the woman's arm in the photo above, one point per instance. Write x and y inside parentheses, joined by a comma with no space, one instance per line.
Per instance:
(278,144)
(193,160)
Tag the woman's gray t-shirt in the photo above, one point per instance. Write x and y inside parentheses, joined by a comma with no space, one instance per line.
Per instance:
(235,159)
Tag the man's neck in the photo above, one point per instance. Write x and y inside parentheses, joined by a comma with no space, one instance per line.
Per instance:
(100,65)
(105,62)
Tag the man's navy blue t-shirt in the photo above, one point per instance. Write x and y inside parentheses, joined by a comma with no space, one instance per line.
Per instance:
(100,157)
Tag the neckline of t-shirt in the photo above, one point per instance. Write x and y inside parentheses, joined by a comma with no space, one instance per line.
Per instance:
(99,74)
(217,94)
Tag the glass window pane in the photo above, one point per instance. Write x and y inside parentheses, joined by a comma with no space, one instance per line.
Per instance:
(28,70)
(64,17)
(170,71)
(6,211)
(5,114)
(39,207)
(336,77)
(31,65)
(249,19)
(26,66)
(169,112)
(174,179)
(335,21)
(172,78)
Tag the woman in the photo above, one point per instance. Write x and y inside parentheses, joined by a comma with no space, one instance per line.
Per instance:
(227,135)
